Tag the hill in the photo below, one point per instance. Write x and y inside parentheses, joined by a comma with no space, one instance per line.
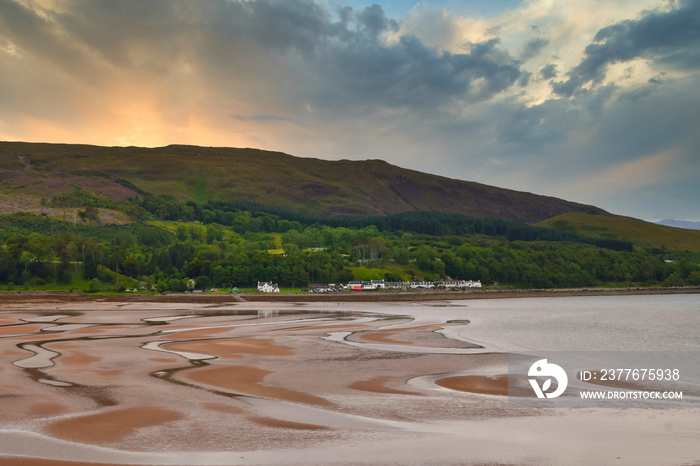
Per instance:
(172,218)
(644,234)
(191,173)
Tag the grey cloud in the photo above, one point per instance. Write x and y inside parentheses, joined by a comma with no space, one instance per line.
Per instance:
(549,71)
(341,61)
(375,21)
(168,29)
(409,73)
(671,38)
(525,77)
(548,122)
(532,48)
(644,123)
(34,36)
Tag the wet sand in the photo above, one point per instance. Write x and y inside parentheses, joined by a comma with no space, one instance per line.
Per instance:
(110,425)
(18,461)
(380,385)
(275,391)
(232,348)
(497,385)
(248,380)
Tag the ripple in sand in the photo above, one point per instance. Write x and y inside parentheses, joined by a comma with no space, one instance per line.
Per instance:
(168,318)
(341,337)
(44,319)
(65,327)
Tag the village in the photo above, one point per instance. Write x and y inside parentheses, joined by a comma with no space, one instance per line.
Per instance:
(373,285)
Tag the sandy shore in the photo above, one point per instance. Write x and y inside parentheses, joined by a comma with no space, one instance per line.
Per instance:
(18,461)
(27,297)
(210,383)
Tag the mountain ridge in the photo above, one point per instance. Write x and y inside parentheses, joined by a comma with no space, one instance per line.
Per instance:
(325,187)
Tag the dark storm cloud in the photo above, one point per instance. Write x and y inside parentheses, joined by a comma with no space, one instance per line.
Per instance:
(408,73)
(337,57)
(669,38)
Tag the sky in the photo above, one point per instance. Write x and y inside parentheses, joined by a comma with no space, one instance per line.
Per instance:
(593,101)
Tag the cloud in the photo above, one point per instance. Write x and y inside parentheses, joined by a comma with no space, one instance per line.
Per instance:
(549,71)
(533,47)
(625,176)
(409,74)
(668,37)
(348,61)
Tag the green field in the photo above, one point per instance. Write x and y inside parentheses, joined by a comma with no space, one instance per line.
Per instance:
(643,234)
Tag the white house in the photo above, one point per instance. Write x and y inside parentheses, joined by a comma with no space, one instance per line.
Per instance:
(460,283)
(378,284)
(422,285)
(268,287)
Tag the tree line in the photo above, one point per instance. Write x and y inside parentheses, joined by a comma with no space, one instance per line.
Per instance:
(278,219)
(245,247)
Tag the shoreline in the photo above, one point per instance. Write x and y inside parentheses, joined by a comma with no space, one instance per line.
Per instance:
(344,296)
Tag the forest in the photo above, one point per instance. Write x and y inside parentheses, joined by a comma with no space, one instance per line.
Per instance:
(176,247)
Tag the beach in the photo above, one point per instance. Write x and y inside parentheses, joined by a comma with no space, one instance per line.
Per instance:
(107,381)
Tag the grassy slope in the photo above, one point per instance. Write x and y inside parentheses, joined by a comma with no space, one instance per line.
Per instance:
(642,233)
(272,178)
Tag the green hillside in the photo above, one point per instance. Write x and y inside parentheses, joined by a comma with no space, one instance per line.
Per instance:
(199,174)
(177,217)
(643,234)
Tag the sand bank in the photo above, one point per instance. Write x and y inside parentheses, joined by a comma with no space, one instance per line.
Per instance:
(110,425)
(248,380)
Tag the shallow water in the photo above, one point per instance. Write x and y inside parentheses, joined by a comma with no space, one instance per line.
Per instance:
(602,323)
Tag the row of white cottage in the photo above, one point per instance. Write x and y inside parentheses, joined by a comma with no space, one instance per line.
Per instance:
(269,287)
(382,285)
